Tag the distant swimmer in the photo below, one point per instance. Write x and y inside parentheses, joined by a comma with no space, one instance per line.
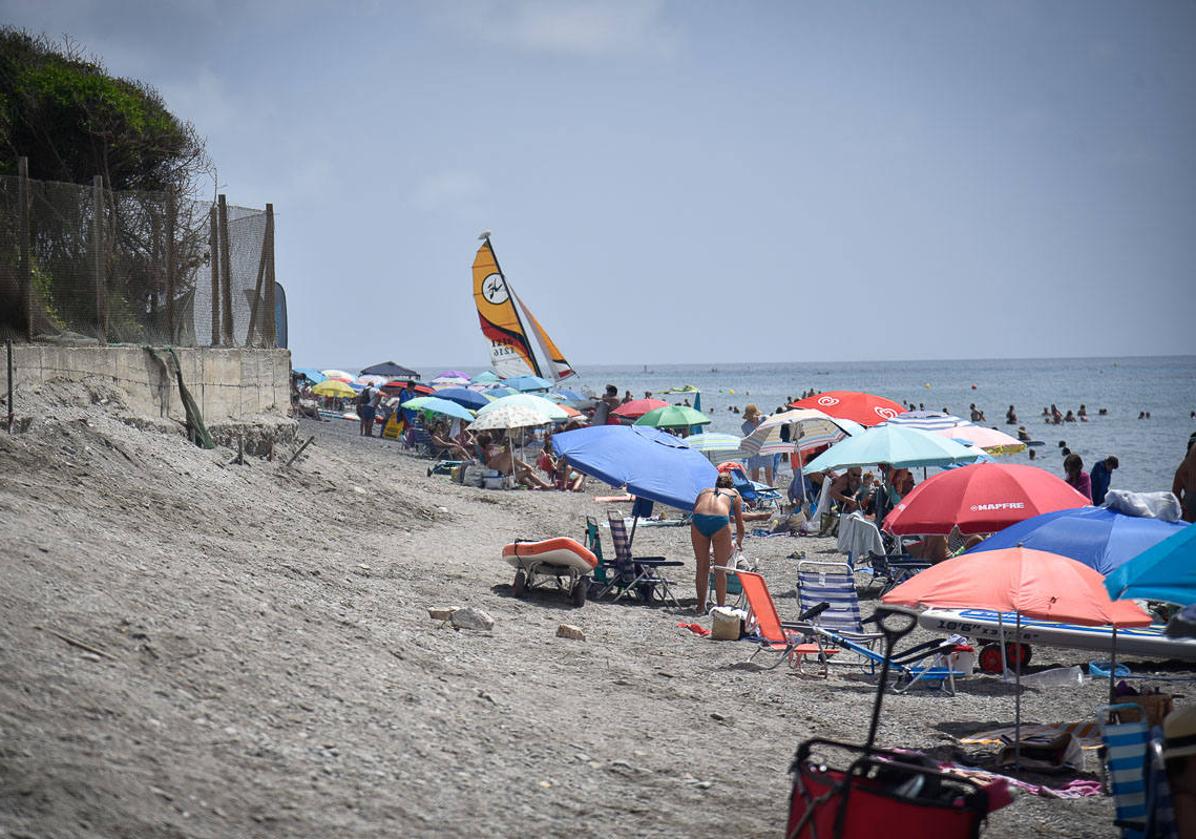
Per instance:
(1082,413)
(1023,435)
(1070,417)
(1011,416)
(1104,412)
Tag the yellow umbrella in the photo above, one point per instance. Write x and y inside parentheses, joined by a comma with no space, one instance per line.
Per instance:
(331,387)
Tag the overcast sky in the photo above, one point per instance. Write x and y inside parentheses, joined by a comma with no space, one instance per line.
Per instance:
(698,181)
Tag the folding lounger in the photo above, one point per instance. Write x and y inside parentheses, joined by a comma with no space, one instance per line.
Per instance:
(636,574)
(834,584)
(789,641)
(894,569)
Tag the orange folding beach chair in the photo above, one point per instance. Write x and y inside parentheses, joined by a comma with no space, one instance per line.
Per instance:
(787,640)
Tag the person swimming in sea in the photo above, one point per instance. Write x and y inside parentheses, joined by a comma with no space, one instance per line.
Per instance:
(711,527)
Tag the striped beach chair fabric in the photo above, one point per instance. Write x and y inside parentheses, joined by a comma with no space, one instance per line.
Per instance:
(1126,744)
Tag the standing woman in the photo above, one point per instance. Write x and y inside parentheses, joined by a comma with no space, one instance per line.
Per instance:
(1073,465)
(751,419)
(711,526)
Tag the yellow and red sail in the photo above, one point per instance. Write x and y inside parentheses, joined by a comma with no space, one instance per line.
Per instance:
(501,314)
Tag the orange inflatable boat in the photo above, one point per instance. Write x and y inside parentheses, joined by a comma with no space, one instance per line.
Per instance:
(551,560)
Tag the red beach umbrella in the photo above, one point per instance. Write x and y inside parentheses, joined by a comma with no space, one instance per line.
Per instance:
(1034,584)
(867,409)
(636,408)
(406,384)
(981,498)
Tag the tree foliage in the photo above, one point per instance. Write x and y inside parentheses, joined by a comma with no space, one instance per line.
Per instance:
(74,120)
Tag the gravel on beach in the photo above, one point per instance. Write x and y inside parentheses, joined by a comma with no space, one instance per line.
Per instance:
(196,648)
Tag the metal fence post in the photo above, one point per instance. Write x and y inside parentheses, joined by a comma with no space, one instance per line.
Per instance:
(171,209)
(25,267)
(11,386)
(97,200)
(226,268)
(214,261)
(256,333)
(271,317)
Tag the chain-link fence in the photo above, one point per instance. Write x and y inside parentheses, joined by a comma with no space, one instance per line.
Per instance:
(85,262)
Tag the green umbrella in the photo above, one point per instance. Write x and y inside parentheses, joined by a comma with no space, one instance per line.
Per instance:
(673,416)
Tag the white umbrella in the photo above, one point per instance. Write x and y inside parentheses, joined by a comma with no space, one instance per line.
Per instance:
(807,429)
(508,417)
(713,444)
(550,411)
(376,381)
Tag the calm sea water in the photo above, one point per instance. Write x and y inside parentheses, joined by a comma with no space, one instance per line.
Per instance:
(1149,450)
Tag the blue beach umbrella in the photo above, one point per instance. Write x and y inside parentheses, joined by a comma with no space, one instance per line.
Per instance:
(649,463)
(526,383)
(1096,536)
(486,377)
(463,396)
(436,405)
(314,376)
(1166,571)
(895,445)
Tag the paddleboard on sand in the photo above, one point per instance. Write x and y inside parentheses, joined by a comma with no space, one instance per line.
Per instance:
(984,626)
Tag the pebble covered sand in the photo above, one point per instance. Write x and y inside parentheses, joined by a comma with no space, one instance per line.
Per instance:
(196,648)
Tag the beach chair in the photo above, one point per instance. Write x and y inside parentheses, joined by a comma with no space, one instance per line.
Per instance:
(891,570)
(792,642)
(833,583)
(755,495)
(638,575)
(1136,777)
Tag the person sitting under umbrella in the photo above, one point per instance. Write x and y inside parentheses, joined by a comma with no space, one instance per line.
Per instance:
(711,527)
(501,459)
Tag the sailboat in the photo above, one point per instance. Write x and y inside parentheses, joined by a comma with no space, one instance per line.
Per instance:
(505,321)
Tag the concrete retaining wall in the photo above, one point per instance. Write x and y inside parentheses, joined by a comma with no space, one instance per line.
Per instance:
(230,385)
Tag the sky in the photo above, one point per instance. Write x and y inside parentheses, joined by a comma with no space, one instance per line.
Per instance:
(688,181)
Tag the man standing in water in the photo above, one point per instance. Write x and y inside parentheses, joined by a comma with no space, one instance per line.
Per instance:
(1184,485)
(1102,475)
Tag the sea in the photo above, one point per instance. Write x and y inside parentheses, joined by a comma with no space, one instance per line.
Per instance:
(1149,450)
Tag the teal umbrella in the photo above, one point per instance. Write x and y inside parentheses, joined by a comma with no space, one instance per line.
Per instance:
(436,405)
(1166,571)
(673,416)
(895,445)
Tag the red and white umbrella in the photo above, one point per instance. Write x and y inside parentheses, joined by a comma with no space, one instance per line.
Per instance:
(867,409)
(982,498)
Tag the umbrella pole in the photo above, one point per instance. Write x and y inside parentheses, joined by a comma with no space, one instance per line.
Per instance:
(1004,658)
(1017,713)
(1113,669)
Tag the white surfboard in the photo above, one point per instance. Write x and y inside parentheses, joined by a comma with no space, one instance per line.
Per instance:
(984,626)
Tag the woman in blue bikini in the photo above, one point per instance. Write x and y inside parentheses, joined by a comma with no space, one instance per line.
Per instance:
(711,525)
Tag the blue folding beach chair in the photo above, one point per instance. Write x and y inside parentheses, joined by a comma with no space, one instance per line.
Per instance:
(834,584)
(638,575)
(754,494)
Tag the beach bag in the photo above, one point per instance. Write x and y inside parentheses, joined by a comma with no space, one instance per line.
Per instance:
(727,623)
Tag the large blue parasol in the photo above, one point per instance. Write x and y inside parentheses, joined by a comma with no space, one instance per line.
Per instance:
(649,463)
(1096,536)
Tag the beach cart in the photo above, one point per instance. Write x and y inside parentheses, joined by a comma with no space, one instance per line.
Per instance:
(561,562)
(847,791)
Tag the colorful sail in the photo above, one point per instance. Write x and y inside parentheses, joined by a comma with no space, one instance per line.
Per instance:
(511,353)
(559,366)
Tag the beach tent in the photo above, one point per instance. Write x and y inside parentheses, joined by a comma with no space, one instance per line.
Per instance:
(1099,537)
(648,463)
(390,370)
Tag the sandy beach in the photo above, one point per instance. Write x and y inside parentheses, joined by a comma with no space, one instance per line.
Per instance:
(203,649)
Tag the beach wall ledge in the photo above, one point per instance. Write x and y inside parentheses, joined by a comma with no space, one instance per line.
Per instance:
(231,386)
